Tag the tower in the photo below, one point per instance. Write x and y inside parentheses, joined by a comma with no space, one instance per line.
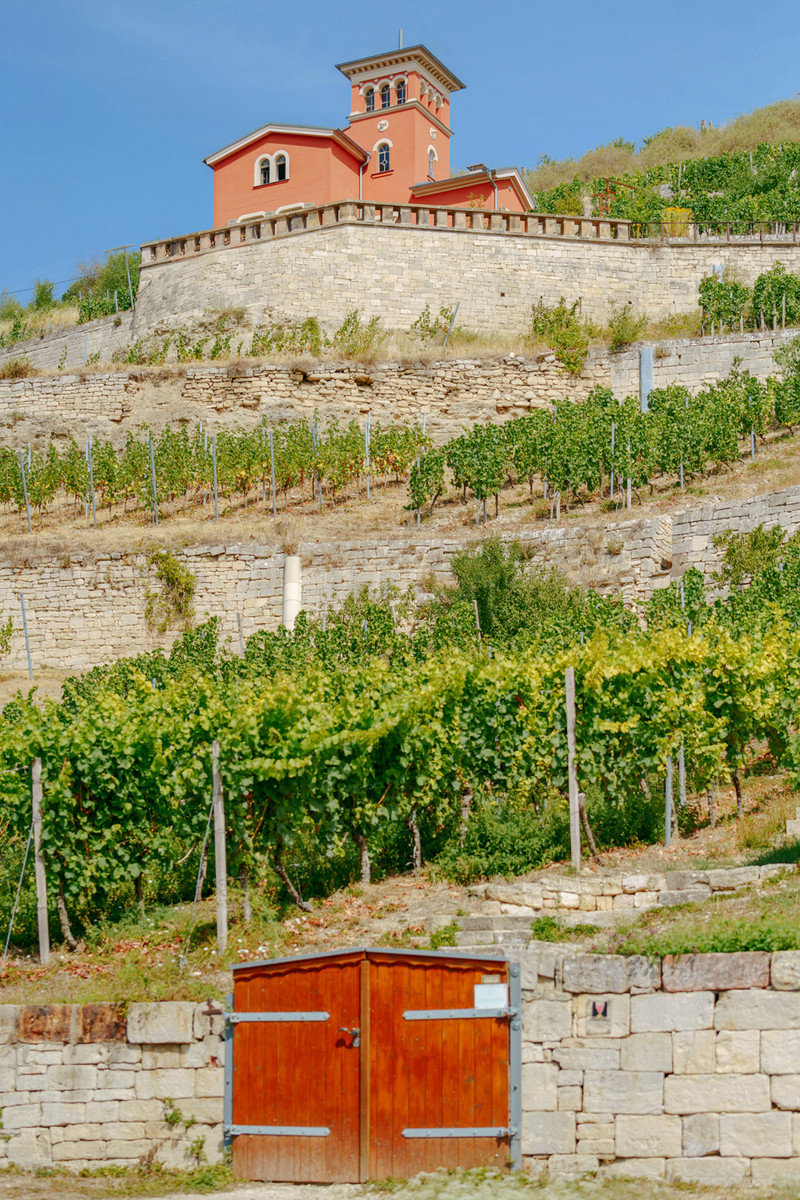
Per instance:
(400,115)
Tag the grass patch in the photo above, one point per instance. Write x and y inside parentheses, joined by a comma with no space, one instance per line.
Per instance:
(106,1183)
(762,920)
(445,936)
(550,929)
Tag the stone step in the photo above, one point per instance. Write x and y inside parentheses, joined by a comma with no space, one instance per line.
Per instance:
(502,921)
(793,827)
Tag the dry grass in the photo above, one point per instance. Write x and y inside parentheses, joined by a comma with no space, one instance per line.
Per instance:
(46,681)
(40,322)
(773,124)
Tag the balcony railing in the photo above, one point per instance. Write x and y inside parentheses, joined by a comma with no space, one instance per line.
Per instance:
(254,229)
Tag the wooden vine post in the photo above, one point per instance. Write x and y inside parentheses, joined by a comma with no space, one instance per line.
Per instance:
(38,862)
(574,802)
(220,856)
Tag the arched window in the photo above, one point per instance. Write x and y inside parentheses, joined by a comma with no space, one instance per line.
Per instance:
(431,162)
(369,99)
(386,96)
(383,156)
(400,91)
(281,167)
(263,171)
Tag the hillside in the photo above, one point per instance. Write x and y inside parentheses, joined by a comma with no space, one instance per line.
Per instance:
(742,173)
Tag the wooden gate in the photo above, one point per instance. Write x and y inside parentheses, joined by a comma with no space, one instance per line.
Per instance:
(365,1064)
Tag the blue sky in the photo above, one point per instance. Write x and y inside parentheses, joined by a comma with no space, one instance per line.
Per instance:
(110,106)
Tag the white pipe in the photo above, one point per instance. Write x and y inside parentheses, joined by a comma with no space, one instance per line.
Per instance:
(361,176)
(292,590)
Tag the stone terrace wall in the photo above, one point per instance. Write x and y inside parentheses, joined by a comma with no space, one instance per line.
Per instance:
(693,531)
(686,1069)
(453,393)
(82,612)
(86,610)
(393,271)
(93,1086)
(76,345)
(698,362)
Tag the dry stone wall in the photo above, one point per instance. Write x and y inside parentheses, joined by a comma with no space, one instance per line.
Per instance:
(393,271)
(76,345)
(87,610)
(452,392)
(105,1085)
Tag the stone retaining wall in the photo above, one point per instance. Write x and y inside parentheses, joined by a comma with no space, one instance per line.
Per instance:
(604,899)
(392,271)
(86,610)
(108,1084)
(75,345)
(686,1069)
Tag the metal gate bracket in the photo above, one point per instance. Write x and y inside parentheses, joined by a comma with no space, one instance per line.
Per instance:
(238,1018)
(276,1131)
(458,1133)
(456,1014)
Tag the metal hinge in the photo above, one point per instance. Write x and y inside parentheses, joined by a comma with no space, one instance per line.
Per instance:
(238,1018)
(491,1132)
(276,1130)
(455,1014)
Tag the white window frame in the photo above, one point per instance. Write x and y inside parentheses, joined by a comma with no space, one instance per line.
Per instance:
(432,152)
(376,149)
(405,85)
(273,169)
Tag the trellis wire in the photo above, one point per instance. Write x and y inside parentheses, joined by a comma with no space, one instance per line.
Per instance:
(16,899)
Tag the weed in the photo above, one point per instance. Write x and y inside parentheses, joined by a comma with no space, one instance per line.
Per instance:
(559,325)
(174,603)
(623,328)
(549,929)
(172,1114)
(18,368)
(445,936)
(356,339)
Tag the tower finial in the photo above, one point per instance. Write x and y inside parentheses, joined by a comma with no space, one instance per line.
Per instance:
(400,41)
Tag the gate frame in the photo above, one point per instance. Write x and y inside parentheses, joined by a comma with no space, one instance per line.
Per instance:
(513,1132)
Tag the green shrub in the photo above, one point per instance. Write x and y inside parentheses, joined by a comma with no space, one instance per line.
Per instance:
(357,339)
(559,325)
(173,604)
(624,327)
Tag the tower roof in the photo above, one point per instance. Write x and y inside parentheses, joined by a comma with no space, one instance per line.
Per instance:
(397,58)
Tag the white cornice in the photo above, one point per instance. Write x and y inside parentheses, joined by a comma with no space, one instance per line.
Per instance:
(420,55)
(338,135)
(356,118)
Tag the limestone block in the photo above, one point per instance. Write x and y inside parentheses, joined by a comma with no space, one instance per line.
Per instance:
(707,1171)
(546,1021)
(648,1136)
(693,1052)
(548,1133)
(732,878)
(785,974)
(128,1151)
(635,1168)
(665,1013)
(154,1057)
(715,972)
(686,1094)
(8,1023)
(164,1084)
(208,1081)
(767,1172)
(786,1091)
(757,1135)
(780,1052)
(29,1149)
(623,1091)
(169,1022)
(60,1114)
(69,1151)
(581,1058)
(609,1017)
(141,1110)
(71,1079)
(755,1009)
(571,1166)
(599,973)
(102,1111)
(738,1051)
(539,1085)
(700,1135)
(646,1052)
(691,895)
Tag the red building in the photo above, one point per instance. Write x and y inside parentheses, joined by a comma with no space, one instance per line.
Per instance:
(395,149)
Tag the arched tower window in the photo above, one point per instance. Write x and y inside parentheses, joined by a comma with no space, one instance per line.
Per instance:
(400,91)
(383,156)
(386,96)
(369,100)
(431,163)
(281,167)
